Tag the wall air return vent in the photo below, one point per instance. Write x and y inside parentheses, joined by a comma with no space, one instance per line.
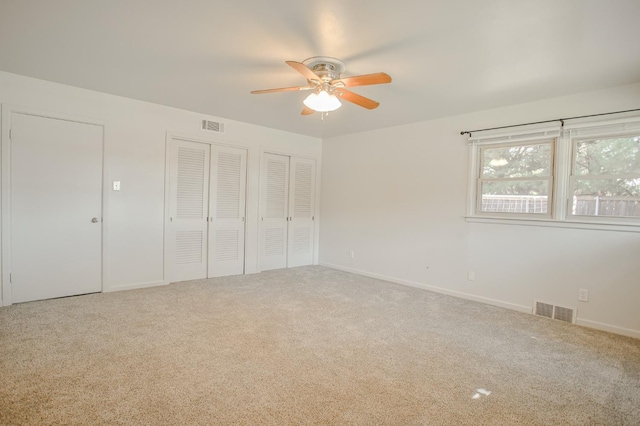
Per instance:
(563,314)
(213,126)
(543,310)
(548,310)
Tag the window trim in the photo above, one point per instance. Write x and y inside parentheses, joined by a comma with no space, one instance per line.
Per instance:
(564,140)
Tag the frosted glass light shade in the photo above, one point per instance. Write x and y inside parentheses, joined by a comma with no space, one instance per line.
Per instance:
(322,102)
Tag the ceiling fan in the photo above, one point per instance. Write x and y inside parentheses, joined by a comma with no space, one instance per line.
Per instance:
(323,77)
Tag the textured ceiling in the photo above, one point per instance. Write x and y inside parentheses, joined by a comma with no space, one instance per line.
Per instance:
(445,56)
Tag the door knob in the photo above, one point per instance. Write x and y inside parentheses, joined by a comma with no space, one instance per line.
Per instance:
(94,220)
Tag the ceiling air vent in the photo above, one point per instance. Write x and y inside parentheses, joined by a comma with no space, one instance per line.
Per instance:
(213,126)
(548,310)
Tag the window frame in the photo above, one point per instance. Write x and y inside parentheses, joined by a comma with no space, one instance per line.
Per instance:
(550,179)
(563,155)
(573,177)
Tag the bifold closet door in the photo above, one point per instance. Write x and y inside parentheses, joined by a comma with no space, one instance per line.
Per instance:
(188,209)
(56,208)
(227,211)
(274,211)
(301,212)
(287,208)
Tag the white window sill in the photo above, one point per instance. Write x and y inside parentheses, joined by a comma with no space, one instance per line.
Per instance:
(574,224)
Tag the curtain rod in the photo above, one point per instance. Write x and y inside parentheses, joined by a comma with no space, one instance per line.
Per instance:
(562,120)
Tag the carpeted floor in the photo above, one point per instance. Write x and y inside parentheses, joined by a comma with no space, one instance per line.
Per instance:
(308,345)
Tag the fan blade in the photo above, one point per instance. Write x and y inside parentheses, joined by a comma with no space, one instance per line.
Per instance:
(307,111)
(365,80)
(282,89)
(304,70)
(357,99)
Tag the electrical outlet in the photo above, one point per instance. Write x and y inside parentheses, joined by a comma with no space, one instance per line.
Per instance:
(583,295)
(352,254)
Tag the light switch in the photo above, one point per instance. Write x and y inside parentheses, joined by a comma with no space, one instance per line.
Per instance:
(116,185)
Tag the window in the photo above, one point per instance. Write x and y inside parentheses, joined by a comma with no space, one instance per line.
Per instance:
(586,174)
(606,177)
(516,178)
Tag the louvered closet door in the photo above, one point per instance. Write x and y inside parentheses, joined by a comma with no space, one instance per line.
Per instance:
(188,208)
(301,212)
(227,211)
(274,194)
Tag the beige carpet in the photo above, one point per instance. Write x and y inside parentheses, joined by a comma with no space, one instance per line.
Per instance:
(306,346)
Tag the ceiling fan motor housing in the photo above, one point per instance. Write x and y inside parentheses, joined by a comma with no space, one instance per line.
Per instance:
(327,68)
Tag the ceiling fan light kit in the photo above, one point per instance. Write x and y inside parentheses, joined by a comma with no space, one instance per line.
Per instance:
(323,77)
(322,102)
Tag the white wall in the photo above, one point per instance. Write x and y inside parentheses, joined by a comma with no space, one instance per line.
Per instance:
(396,197)
(135,155)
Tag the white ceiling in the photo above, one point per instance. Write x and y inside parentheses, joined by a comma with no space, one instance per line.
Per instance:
(445,56)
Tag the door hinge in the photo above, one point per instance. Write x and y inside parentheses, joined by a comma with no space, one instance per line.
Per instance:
(10,278)
(10,134)
(313,218)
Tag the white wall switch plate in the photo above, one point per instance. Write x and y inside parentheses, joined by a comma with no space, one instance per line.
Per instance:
(116,185)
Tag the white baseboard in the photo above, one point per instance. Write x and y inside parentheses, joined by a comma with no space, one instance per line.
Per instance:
(608,327)
(454,293)
(134,286)
(520,308)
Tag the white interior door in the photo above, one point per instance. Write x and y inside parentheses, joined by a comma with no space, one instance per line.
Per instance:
(274,201)
(301,212)
(227,211)
(188,209)
(56,208)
